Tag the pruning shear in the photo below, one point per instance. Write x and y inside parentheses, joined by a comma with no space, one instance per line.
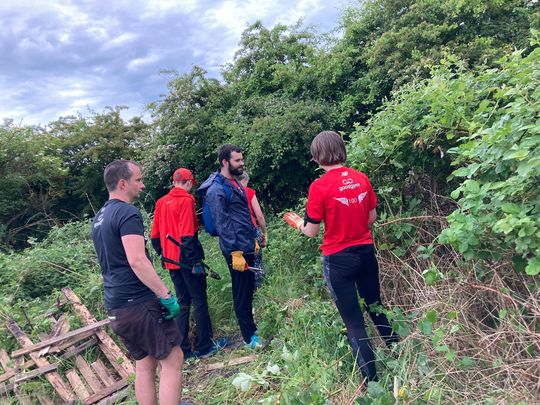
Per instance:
(211,272)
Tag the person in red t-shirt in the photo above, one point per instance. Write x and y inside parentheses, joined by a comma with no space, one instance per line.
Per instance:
(175,216)
(344,199)
(257,217)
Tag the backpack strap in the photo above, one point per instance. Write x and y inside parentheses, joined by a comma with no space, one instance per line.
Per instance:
(228,191)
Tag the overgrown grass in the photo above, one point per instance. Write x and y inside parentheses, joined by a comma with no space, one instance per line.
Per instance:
(469,330)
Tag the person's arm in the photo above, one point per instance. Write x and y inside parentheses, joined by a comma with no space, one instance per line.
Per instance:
(372,217)
(310,229)
(142,267)
(259,216)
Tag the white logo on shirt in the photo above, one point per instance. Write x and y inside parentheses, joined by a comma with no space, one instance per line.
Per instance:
(348,181)
(342,200)
(345,173)
(361,196)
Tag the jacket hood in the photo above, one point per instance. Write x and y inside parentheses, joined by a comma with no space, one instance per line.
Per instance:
(201,191)
(178,192)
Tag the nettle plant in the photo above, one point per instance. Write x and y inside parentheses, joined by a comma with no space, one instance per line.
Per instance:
(499,199)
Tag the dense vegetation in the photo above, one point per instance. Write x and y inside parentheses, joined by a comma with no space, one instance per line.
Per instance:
(439,103)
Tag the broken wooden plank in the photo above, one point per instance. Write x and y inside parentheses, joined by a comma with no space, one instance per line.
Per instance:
(103,373)
(4,360)
(77,384)
(50,367)
(57,339)
(232,362)
(59,327)
(110,349)
(115,398)
(54,378)
(13,371)
(105,392)
(71,341)
(91,380)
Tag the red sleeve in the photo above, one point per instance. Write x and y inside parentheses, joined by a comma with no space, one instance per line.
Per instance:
(155,222)
(315,204)
(250,193)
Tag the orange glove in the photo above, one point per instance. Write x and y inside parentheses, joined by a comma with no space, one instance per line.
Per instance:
(293,220)
(257,247)
(238,261)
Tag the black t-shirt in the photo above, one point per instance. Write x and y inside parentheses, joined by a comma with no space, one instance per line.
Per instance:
(114,220)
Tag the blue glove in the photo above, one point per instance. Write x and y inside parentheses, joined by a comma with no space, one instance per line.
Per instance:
(198,269)
(171,305)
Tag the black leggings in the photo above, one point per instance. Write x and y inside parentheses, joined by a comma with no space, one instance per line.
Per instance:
(350,272)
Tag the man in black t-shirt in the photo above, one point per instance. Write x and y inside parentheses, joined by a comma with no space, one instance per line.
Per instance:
(135,296)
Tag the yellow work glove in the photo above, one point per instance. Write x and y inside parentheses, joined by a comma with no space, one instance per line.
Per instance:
(257,247)
(293,219)
(238,261)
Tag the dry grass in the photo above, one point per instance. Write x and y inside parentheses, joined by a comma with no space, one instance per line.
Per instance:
(498,317)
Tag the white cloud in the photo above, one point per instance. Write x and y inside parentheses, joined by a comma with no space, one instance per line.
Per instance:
(59,56)
(140,63)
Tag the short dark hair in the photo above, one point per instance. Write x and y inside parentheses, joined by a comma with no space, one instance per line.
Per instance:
(327,148)
(225,152)
(117,170)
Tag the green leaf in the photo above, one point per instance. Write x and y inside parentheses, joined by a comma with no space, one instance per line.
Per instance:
(461,172)
(533,267)
(511,208)
(243,382)
(467,362)
(431,316)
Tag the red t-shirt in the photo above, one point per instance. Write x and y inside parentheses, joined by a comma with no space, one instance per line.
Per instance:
(250,193)
(342,198)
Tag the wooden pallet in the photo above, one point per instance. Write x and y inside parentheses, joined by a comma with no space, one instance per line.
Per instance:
(101,382)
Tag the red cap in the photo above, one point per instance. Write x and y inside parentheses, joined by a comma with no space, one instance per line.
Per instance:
(183,175)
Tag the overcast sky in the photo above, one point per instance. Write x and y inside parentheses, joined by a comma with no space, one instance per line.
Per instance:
(58,57)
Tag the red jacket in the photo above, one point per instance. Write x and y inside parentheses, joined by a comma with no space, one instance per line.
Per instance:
(175,216)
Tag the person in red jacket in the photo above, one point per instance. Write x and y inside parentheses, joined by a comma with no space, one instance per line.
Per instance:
(344,200)
(175,216)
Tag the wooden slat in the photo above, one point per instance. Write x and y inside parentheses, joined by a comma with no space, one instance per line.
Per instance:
(105,392)
(12,371)
(77,384)
(103,373)
(59,327)
(115,398)
(91,380)
(54,378)
(57,339)
(46,369)
(4,359)
(118,359)
(232,362)
(70,342)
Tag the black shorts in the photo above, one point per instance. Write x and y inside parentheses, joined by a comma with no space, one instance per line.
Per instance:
(144,331)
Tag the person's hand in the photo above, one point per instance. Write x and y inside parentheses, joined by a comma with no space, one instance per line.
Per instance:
(293,219)
(198,269)
(265,240)
(171,305)
(238,261)
(257,247)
